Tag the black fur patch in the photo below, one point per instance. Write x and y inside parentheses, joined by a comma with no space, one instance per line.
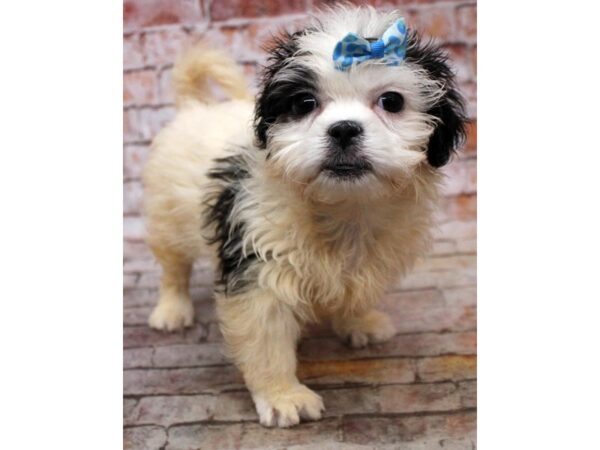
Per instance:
(233,264)
(450,109)
(275,97)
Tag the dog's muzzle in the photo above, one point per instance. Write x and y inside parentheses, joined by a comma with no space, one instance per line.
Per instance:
(345,159)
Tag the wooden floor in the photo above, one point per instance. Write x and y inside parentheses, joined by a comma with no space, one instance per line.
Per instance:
(417,391)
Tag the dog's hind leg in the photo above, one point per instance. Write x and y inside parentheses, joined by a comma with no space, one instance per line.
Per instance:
(361,329)
(174,309)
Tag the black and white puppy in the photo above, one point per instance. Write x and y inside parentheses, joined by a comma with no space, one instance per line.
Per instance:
(312,199)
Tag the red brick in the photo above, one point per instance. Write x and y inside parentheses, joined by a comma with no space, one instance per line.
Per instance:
(145,13)
(459,60)
(460,296)
(463,233)
(421,344)
(469,91)
(443,247)
(137,297)
(167,410)
(474,61)
(136,316)
(132,197)
(435,21)
(379,4)
(173,409)
(135,250)
(460,207)
(129,405)
(251,71)
(144,336)
(360,371)
(205,436)
(440,319)
(202,277)
(214,333)
(133,56)
(162,47)
(144,438)
(466,18)
(202,380)
(419,398)
(238,406)
(129,280)
(467,246)
(461,177)
(223,10)
(131,128)
(151,120)
(140,265)
(134,159)
(246,42)
(413,312)
(140,88)
(458,229)
(133,228)
(241,42)
(148,297)
(137,357)
(468,393)
(234,406)
(471,144)
(463,443)
(149,280)
(434,264)
(198,355)
(447,368)
(409,432)
(166,94)
(321,435)
(396,399)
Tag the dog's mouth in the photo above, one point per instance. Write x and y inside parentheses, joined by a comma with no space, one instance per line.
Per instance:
(347,171)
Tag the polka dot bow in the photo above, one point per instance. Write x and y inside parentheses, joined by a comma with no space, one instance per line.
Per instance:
(391,48)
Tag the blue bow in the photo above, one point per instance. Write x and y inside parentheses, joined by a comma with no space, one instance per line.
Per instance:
(391,48)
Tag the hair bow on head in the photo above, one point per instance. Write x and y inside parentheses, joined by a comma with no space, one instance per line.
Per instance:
(391,48)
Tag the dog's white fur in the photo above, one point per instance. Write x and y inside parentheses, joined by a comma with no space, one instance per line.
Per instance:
(328,248)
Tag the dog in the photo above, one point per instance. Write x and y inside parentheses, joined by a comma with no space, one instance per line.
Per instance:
(311,198)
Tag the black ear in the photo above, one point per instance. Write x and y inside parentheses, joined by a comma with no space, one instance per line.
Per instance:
(449,133)
(276,91)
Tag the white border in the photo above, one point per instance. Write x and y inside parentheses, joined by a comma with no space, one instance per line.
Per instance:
(539,226)
(61,226)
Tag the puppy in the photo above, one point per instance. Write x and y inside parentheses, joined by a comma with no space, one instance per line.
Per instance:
(311,199)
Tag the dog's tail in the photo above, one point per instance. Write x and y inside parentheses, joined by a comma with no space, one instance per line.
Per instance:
(201,63)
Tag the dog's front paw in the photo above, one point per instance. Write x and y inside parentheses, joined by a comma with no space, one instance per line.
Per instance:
(172,315)
(285,409)
(374,327)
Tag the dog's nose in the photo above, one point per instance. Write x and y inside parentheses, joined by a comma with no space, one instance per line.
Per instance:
(344,131)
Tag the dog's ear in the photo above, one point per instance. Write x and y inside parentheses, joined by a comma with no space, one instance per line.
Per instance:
(449,133)
(281,79)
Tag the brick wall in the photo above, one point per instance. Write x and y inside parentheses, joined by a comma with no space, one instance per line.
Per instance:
(155,30)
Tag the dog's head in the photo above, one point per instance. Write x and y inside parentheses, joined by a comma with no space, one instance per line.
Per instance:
(364,129)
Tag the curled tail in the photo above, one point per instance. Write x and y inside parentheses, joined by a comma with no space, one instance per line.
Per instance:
(200,63)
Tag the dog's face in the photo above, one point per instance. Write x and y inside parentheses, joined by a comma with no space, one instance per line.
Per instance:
(365,130)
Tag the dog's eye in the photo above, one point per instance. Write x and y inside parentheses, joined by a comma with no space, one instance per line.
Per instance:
(303,104)
(391,102)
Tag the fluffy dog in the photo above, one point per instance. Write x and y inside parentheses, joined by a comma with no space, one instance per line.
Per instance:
(312,199)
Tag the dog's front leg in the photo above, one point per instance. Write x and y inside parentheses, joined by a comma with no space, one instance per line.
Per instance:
(261,333)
